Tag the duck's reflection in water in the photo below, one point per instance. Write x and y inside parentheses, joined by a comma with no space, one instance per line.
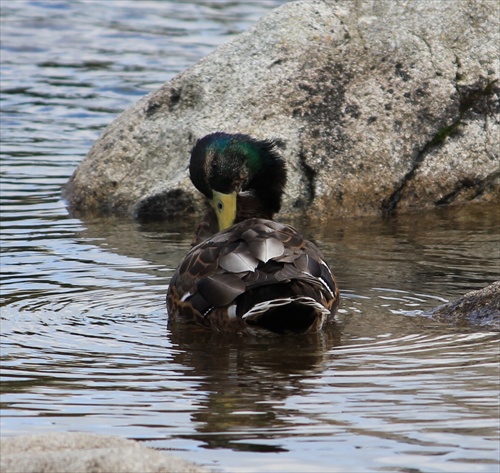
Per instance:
(247,381)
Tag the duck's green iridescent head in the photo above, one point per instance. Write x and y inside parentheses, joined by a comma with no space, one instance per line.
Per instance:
(223,165)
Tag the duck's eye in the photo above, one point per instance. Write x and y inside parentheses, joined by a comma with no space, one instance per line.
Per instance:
(220,205)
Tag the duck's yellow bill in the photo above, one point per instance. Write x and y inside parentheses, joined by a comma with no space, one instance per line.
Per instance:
(225,208)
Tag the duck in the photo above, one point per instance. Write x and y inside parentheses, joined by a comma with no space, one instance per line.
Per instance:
(247,273)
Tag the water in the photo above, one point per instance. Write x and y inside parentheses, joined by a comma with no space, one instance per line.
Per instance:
(85,345)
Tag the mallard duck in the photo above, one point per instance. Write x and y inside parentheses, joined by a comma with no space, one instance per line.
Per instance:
(251,274)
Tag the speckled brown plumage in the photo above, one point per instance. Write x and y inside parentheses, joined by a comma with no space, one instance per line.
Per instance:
(226,282)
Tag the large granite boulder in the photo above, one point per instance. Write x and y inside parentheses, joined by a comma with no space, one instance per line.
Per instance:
(377,107)
(78,452)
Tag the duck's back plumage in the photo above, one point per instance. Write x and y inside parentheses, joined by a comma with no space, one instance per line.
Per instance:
(257,276)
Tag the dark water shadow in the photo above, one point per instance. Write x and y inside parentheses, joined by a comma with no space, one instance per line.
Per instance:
(442,252)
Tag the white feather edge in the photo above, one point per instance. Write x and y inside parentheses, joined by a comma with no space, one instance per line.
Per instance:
(264,306)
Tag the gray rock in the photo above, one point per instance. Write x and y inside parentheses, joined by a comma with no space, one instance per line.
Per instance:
(377,106)
(66,452)
(479,308)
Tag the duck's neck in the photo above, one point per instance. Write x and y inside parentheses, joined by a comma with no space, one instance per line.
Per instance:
(249,206)
(264,191)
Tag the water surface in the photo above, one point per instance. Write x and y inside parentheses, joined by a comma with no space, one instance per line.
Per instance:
(85,344)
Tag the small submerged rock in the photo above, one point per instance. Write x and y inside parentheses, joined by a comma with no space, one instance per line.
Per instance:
(479,308)
(75,452)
